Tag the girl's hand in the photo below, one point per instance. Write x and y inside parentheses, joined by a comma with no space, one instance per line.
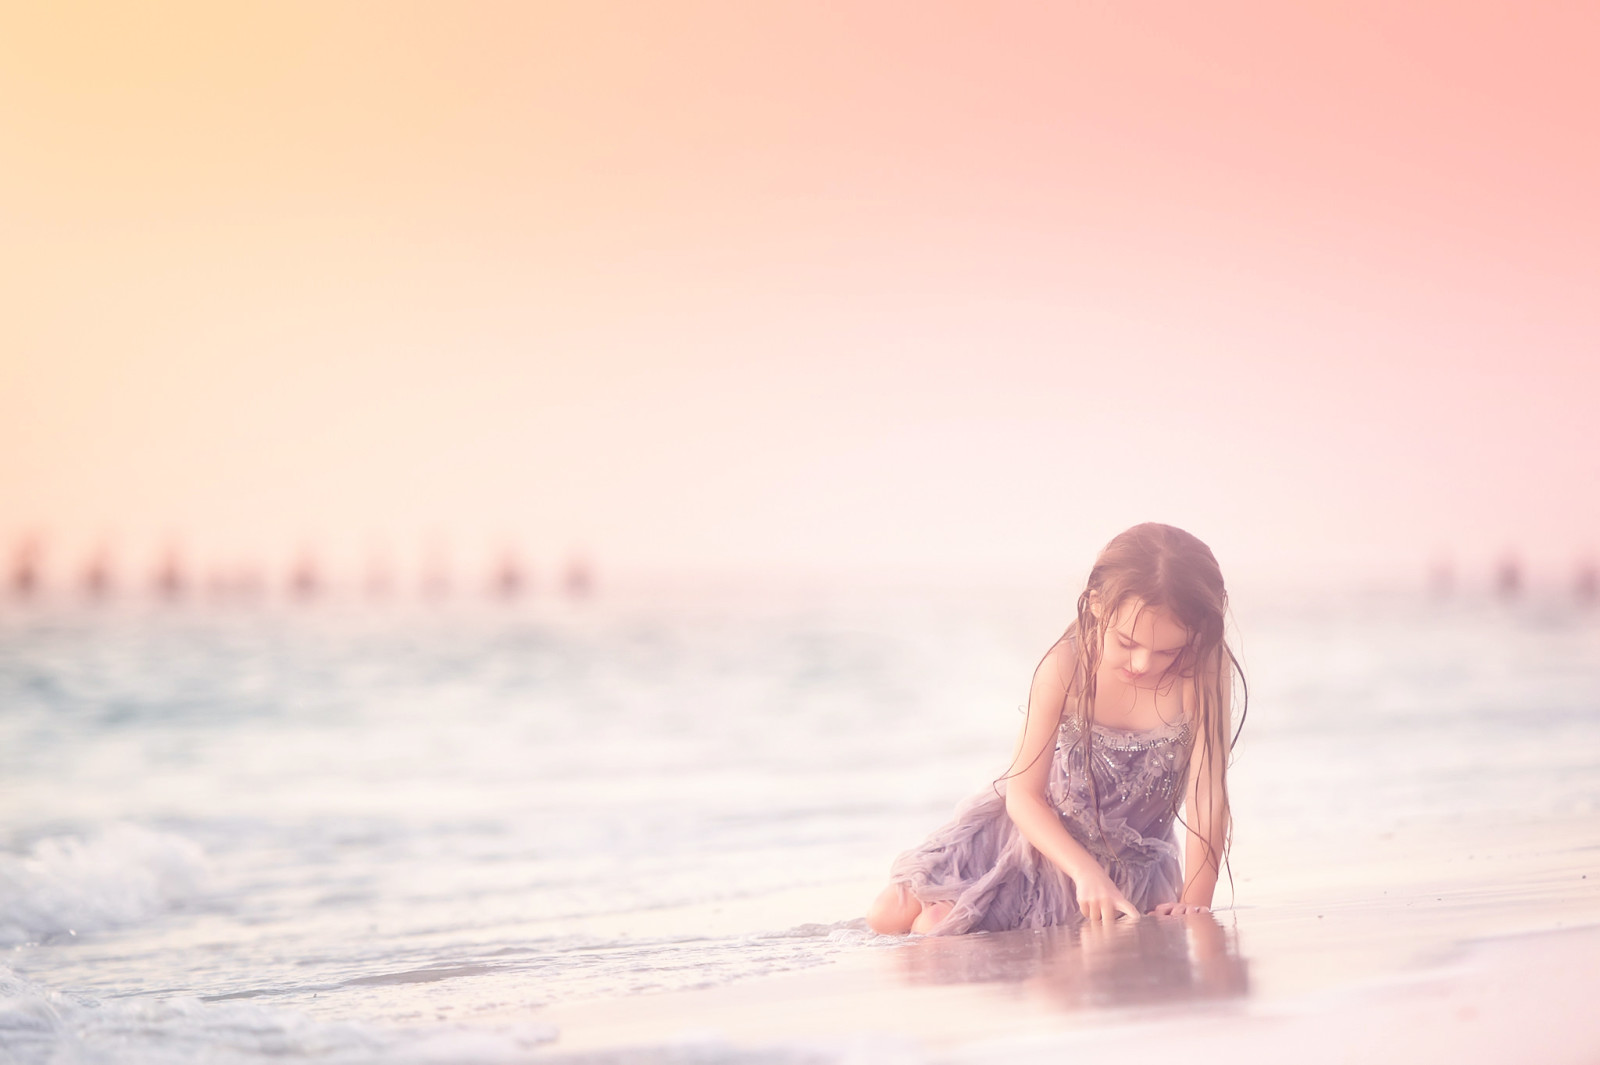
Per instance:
(1099,899)
(1177,909)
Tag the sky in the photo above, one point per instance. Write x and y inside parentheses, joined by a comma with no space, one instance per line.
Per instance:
(800,287)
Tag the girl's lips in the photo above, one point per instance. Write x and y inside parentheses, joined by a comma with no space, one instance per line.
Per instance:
(1128,676)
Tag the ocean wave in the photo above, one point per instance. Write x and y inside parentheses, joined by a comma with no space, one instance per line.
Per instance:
(39,1025)
(848,933)
(121,875)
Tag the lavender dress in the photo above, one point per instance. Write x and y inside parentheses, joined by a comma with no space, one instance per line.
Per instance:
(998,881)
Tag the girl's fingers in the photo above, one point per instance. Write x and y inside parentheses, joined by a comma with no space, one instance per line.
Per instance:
(1109,910)
(1178,909)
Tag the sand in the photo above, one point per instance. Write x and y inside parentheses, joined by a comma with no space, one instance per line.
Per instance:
(1423,950)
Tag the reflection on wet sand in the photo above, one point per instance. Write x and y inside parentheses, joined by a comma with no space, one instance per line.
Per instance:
(1130,963)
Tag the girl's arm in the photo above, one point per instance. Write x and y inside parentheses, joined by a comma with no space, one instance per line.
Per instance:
(1027,797)
(1205,810)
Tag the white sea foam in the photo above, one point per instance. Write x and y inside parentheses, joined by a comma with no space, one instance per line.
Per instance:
(38,1025)
(120,875)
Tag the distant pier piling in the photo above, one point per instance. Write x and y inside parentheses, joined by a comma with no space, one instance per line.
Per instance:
(97,583)
(170,582)
(305,580)
(1508,579)
(1586,583)
(578,579)
(27,568)
(509,580)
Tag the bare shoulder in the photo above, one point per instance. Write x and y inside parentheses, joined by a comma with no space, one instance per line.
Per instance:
(1218,680)
(1188,696)
(1047,700)
(1056,669)
(1214,676)
(1052,683)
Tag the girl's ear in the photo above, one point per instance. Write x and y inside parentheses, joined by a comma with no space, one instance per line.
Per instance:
(1096,607)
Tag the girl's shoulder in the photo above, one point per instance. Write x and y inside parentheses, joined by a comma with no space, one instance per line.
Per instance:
(1188,697)
(1215,677)
(1061,661)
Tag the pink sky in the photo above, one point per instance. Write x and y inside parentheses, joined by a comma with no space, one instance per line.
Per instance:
(802,286)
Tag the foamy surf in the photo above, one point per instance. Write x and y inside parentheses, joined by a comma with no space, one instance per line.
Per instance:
(119,875)
(38,1025)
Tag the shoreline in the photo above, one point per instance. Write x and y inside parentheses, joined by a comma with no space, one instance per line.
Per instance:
(1304,957)
(1025,996)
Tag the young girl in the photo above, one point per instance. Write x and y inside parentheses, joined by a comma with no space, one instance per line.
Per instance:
(1128,719)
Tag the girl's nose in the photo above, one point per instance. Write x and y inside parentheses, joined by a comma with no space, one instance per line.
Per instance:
(1140,660)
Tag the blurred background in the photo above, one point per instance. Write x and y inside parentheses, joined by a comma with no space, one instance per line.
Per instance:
(762,289)
(509,503)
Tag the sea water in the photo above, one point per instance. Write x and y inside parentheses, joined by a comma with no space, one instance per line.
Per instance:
(336,830)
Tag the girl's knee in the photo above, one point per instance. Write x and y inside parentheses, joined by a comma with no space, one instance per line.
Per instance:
(893,911)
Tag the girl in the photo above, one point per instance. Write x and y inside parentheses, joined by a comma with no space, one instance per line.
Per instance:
(1127,721)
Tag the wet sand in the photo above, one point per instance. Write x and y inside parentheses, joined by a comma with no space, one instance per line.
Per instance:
(1413,949)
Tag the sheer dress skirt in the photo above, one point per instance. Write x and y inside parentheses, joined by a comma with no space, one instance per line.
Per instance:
(998,881)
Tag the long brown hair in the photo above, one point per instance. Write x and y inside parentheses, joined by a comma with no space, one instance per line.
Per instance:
(1155,565)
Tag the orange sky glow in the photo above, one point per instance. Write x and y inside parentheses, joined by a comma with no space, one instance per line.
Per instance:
(793,287)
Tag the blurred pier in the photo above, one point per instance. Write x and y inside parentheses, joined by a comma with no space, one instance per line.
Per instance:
(174,574)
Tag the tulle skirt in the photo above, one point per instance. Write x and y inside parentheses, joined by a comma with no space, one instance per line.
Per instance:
(998,881)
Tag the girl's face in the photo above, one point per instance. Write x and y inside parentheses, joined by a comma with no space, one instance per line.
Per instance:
(1141,643)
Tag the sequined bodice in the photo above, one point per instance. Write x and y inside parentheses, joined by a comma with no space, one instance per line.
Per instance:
(1136,776)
